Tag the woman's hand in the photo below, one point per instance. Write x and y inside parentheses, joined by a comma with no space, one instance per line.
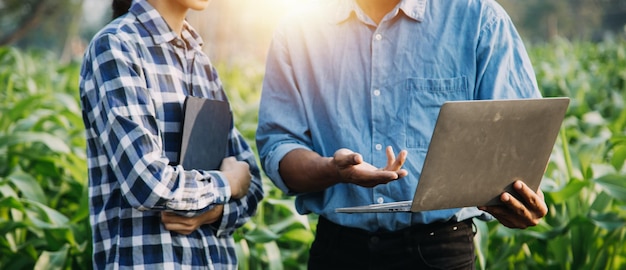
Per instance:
(186,225)
(238,175)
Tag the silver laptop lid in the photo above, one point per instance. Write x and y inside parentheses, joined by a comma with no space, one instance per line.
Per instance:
(479,148)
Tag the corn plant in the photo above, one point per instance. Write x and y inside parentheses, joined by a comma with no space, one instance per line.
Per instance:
(43,200)
(43,206)
(585,182)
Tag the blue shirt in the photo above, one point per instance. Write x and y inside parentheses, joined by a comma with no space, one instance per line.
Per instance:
(134,79)
(335,79)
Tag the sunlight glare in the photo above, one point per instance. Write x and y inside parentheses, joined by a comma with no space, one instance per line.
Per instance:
(278,8)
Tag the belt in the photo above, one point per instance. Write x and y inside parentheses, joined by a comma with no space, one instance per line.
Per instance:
(325,225)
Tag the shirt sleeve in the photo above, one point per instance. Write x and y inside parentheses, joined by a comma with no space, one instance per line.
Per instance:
(239,211)
(122,118)
(504,70)
(280,94)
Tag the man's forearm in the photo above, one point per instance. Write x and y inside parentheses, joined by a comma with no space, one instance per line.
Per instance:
(306,171)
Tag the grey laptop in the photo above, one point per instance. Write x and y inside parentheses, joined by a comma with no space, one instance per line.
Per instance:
(478,149)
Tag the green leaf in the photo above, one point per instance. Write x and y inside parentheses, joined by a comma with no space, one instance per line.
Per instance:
(543,231)
(571,189)
(243,254)
(11,203)
(582,233)
(619,156)
(57,238)
(614,185)
(290,206)
(608,221)
(28,186)
(273,256)
(45,217)
(54,143)
(82,214)
(601,202)
(69,102)
(481,243)
(52,260)
(261,235)
(287,222)
(10,226)
(298,235)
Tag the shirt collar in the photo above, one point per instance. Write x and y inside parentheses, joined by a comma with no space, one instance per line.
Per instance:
(413,9)
(158,27)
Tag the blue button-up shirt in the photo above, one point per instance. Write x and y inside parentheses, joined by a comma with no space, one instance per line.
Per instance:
(133,82)
(335,79)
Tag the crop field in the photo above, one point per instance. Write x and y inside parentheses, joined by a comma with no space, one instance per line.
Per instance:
(44,214)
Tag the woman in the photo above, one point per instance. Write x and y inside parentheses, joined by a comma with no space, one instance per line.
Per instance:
(146,209)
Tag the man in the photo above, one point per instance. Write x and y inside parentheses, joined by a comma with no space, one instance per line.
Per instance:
(346,83)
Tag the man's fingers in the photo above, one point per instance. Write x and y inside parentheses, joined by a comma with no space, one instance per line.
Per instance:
(402,173)
(395,163)
(515,205)
(356,159)
(377,178)
(401,158)
(518,214)
(345,158)
(353,169)
(533,200)
(391,158)
(503,214)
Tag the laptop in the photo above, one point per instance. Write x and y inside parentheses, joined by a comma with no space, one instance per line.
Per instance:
(478,149)
(206,126)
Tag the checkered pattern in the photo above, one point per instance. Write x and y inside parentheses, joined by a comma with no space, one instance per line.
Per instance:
(135,76)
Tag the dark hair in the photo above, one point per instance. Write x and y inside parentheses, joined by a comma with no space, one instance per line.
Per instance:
(120,7)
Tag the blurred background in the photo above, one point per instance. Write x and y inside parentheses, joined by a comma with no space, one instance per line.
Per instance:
(234,31)
(239,30)
(577,47)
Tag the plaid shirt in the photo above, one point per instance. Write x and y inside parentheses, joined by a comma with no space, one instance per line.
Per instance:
(135,76)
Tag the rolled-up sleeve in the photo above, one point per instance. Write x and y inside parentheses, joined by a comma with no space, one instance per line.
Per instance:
(280,95)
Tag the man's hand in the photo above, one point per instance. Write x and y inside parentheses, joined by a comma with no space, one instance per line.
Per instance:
(517,214)
(238,175)
(186,225)
(352,169)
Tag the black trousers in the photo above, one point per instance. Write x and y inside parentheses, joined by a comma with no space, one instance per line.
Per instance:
(448,245)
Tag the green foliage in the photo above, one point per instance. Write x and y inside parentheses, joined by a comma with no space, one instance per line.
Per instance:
(585,182)
(43,200)
(43,207)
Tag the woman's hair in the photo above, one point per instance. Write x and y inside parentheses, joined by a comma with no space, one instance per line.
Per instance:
(120,7)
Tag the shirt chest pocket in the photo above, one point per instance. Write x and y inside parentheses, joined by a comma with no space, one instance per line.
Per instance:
(425,97)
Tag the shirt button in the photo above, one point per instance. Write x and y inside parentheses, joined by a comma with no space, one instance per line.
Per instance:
(380,200)
(376,92)
(378,36)
(379,147)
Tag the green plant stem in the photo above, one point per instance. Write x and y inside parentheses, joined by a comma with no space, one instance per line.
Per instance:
(566,153)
